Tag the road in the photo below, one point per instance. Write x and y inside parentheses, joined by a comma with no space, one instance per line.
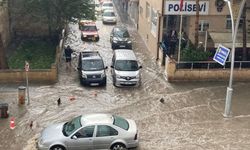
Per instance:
(189,118)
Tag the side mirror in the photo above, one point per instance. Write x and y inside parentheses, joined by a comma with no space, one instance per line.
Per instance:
(74,137)
(78,68)
(111,66)
(106,67)
(140,67)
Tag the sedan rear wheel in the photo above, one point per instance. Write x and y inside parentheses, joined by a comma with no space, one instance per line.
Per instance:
(119,147)
(57,148)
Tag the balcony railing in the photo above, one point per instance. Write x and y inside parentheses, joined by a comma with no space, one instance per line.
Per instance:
(211,65)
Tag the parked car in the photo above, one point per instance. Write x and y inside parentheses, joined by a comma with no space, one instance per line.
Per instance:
(125,69)
(90,132)
(91,68)
(109,16)
(107,5)
(89,30)
(120,38)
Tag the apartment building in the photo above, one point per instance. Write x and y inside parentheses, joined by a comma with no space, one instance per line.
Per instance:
(158,18)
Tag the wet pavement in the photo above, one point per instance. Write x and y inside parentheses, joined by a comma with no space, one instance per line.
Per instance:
(189,118)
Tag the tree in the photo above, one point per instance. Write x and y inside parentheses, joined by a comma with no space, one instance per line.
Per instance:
(197,16)
(57,13)
(3,62)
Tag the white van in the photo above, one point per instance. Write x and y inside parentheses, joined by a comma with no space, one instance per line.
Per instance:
(125,69)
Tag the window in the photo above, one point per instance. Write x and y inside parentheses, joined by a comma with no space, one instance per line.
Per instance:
(126,65)
(229,23)
(203,25)
(147,11)
(154,20)
(141,10)
(72,126)
(121,122)
(104,130)
(85,132)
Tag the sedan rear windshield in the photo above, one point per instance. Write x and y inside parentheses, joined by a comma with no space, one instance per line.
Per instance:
(121,33)
(121,122)
(109,14)
(88,28)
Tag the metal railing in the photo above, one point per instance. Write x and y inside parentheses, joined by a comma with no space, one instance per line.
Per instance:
(211,65)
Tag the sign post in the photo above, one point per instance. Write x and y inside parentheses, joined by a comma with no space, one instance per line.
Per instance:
(27,68)
(221,55)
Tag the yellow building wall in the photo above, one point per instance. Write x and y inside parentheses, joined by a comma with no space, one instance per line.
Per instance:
(144,24)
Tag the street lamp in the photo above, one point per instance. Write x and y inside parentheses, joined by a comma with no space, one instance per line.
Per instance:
(234,33)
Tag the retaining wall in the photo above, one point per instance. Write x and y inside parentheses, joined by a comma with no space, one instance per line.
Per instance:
(174,74)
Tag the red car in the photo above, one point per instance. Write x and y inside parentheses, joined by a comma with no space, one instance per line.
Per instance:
(89,30)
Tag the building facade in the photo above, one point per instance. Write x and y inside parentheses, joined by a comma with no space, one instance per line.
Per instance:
(133,11)
(158,19)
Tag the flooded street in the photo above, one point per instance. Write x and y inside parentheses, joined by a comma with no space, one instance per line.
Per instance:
(189,118)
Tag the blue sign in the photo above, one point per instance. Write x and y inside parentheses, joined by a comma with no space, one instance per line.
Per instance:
(221,55)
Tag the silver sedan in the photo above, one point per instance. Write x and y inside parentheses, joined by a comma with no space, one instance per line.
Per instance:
(109,16)
(90,132)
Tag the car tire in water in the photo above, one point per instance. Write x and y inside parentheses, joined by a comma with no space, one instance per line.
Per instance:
(118,146)
(104,83)
(97,39)
(57,147)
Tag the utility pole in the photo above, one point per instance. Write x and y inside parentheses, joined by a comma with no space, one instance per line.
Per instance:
(234,32)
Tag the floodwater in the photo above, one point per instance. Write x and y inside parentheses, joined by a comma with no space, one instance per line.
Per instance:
(189,118)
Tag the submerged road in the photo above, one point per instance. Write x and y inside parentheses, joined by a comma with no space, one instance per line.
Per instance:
(189,118)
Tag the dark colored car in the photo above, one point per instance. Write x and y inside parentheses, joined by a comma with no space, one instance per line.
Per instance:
(91,68)
(120,38)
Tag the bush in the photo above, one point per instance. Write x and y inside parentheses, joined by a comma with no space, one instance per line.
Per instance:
(39,54)
(195,54)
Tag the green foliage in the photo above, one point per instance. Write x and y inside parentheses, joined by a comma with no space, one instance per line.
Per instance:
(59,12)
(39,54)
(195,54)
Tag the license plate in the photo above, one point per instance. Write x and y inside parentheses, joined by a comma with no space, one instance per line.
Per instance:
(127,83)
(122,46)
(94,84)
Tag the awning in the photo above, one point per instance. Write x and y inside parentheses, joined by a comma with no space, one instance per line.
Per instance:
(225,38)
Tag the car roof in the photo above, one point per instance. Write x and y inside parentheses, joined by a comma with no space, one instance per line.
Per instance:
(120,28)
(107,2)
(87,22)
(91,119)
(90,55)
(124,54)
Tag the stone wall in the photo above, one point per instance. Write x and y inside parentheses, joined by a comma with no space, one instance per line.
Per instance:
(174,74)
(45,75)
(4,25)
